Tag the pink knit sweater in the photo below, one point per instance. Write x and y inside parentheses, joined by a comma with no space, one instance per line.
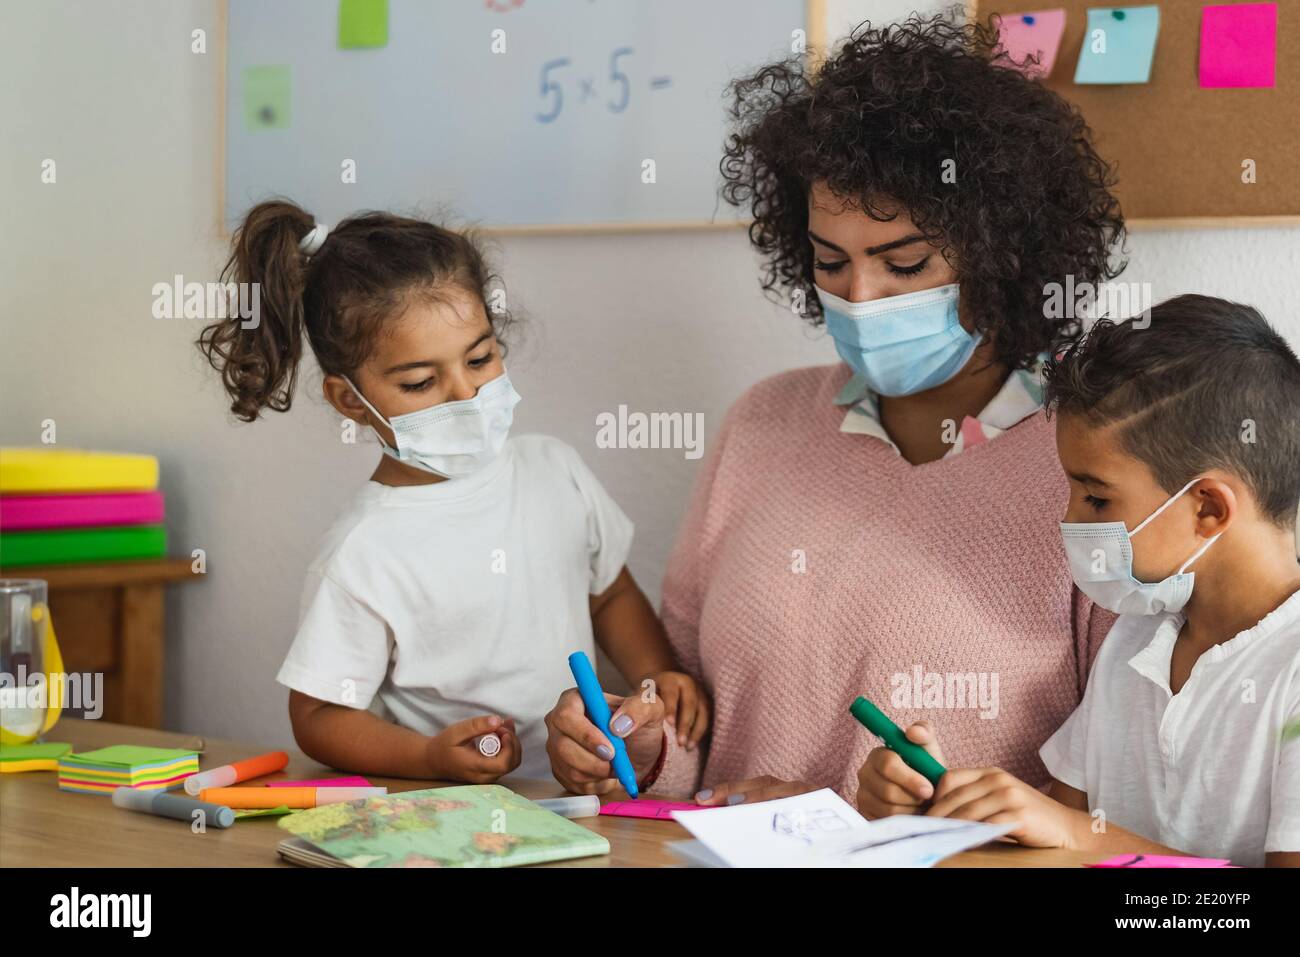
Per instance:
(952,571)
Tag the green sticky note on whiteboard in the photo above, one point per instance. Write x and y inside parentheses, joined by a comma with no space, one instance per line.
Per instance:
(363,23)
(266,97)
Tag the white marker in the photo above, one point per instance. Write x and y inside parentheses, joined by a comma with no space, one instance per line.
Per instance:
(489,745)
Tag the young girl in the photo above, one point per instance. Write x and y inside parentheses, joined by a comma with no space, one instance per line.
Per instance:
(442,605)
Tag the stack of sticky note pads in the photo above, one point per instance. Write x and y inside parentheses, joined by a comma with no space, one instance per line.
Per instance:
(59,506)
(126,765)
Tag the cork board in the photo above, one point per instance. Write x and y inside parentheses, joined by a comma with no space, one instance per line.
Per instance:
(1179,148)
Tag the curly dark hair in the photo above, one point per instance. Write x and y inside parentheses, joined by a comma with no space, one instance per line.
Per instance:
(1031,204)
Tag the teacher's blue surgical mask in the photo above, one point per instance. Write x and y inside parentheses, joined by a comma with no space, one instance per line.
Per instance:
(901,345)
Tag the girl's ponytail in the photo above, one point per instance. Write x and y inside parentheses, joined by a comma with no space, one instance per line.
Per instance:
(258,361)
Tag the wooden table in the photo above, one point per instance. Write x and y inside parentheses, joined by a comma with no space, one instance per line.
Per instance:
(109,619)
(43,826)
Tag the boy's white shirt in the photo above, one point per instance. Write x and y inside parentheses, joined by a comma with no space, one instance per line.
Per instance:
(1205,771)
(434,603)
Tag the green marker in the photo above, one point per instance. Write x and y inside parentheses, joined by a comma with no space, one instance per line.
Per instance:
(913,755)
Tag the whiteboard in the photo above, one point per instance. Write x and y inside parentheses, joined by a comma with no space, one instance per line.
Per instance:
(554,131)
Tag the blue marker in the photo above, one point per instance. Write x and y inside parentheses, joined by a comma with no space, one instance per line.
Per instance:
(598,713)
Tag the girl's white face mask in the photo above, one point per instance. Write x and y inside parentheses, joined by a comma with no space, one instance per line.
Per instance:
(1101,562)
(453,439)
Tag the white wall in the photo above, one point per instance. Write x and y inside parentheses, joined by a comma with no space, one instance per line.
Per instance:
(111,91)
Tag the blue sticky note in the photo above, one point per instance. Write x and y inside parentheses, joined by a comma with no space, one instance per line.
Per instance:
(1118,45)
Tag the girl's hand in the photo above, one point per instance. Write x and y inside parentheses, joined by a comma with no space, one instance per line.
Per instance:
(751,791)
(886,785)
(993,796)
(454,755)
(580,753)
(686,706)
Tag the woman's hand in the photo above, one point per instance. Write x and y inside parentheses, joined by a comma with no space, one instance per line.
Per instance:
(454,755)
(580,754)
(887,786)
(751,791)
(993,796)
(686,706)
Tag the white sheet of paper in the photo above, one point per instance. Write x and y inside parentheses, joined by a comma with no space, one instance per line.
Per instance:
(820,829)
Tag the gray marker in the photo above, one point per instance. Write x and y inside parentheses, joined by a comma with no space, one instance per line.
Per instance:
(171,805)
(584,805)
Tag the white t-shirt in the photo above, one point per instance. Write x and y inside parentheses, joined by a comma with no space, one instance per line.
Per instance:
(434,603)
(1204,771)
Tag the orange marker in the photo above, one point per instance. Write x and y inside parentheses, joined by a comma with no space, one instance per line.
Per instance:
(229,774)
(287,797)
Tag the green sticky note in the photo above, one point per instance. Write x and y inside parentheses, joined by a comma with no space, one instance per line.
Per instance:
(1291,731)
(33,751)
(130,755)
(266,97)
(363,23)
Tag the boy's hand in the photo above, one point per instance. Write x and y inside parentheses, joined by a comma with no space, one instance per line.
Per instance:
(993,796)
(454,754)
(886,785)
(686,706)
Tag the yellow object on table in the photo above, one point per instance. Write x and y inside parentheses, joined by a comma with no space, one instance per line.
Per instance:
(15,758)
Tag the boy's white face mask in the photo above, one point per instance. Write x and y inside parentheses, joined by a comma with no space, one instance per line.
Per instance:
(1101,561)
(453,439)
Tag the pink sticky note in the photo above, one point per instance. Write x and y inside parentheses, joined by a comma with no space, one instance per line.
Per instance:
(1160,860)
(1239,45)
(1038,33)
(321,783)
(646,807)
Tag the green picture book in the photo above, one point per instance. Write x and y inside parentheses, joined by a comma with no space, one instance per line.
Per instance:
(472,826)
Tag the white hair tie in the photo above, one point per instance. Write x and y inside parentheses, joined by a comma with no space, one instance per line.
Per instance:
(313,241)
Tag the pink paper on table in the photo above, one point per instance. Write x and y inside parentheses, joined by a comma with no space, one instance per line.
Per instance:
(1160,860)
(321,783)
(1038,33)
(645,807)
(1239,46)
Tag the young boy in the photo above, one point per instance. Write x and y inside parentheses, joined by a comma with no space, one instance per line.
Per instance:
(1181,441)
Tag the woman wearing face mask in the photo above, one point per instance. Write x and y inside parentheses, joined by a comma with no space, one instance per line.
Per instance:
(887,526)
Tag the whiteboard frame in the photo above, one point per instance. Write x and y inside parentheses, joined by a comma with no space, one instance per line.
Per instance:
(814,24)
(1182,222)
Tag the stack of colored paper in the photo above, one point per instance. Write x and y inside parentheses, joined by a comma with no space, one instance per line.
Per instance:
(61,506)
(31,756)
(126,765)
